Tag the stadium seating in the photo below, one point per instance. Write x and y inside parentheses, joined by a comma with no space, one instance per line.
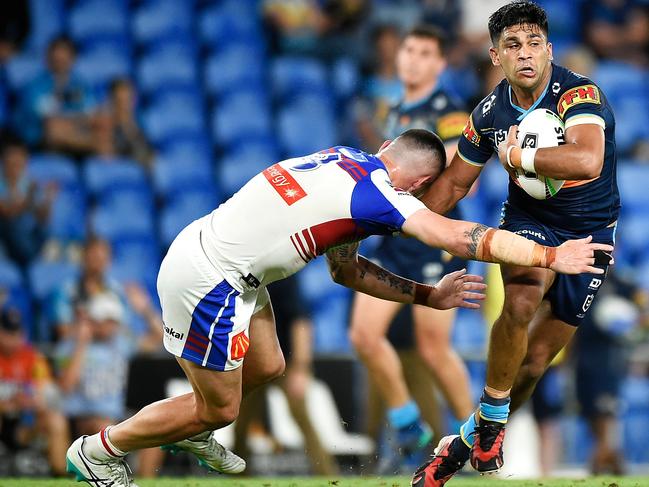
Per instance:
(244,115)
(101,175)
(306,124)
(98,18)
(155,20)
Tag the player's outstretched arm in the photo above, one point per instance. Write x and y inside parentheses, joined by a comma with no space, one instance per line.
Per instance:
(451,186)
(355,271)
(479,242)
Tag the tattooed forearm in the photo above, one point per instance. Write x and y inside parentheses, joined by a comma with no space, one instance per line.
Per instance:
(369,269)
(475,235)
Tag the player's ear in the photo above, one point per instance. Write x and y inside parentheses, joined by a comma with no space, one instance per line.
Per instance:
(493,54)
(550,56)
(385,144)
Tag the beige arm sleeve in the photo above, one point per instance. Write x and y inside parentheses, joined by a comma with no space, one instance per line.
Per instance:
(507,247)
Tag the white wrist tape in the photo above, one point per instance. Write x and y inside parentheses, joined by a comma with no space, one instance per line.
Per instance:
(508,156)
(527,159)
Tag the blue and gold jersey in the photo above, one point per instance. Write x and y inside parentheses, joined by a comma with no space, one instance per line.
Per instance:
(580,206)
(437,112)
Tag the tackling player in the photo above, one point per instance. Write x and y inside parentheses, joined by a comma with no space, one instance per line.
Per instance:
(425,104)
(542,309)
(212,283)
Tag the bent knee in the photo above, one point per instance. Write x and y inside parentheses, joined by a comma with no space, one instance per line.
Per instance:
(364,340)
(215,417)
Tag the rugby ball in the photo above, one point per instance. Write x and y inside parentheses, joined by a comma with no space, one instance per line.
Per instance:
(540,128)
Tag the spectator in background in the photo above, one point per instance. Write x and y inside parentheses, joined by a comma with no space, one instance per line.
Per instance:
(56,109)
(618,29)
(126,137)
(93,362)
(295,339)
(604,339)
(28,396)
(381,89)
(14,27)
(24,210)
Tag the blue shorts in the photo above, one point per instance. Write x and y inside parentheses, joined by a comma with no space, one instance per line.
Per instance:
(410,258)
(570,296)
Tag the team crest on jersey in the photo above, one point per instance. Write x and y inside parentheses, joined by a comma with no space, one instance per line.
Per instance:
(470,133)
(239,346)
(578,95)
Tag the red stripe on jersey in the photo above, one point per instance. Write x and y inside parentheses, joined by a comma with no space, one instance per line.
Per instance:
(197,336)
(336,232)
(301,244)
(298,250)
(102,435)
(285,185)
(349,170)
(308,238)
(356,166)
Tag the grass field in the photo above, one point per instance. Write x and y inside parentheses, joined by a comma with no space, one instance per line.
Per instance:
(216,481)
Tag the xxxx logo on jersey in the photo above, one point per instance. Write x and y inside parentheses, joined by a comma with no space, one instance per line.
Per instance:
(239,346)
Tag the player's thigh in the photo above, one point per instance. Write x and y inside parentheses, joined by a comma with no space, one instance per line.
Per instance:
(264,356)
(432,327)
(525,288)
(213,389)
(372,315)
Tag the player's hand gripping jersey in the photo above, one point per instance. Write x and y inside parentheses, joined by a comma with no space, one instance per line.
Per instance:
(297,209)
(580,206)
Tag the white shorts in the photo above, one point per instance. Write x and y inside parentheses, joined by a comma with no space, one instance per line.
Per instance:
(205,319)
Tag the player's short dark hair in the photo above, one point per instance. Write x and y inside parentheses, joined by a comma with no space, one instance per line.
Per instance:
(426,140)
(425,31)
(516,13)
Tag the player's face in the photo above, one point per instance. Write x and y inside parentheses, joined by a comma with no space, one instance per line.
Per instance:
(524,53)
(419,61)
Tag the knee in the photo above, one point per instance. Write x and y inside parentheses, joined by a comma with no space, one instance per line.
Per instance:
(214,417)
(270,369)
(364,340)
(519,311)
(534,366)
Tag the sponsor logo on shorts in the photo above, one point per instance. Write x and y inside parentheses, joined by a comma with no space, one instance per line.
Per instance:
(531,233)
(595,283)
(173,333)
(239,346)
(587,302)
(575,96)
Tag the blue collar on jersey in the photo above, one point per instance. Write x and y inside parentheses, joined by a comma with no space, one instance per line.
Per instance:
(522,111)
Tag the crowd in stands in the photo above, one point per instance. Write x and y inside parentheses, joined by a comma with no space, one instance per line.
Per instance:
(124,120)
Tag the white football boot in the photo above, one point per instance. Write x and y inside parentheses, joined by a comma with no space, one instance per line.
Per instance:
(210,453)
(112,473)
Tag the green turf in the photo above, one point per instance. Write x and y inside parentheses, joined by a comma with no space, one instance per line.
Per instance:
(217,481)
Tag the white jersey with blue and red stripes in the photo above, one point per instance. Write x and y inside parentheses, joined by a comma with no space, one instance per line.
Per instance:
(297,209)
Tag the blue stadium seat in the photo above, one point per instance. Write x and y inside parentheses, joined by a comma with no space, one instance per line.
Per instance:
(136,259)
(493,183)
(185,208)
(229,22)
(346,78)
(46,22)
(307,125)
(103,175)
(103,62)
(237,167)
(174,114)
(4,109)
(291,76)
(47,276)
(563,18)
(44,167)
(162,19)
(469,336)
(632,182)
(171,64)
(15,293)
(98,18)
(121,220)
(242,115)
(23,68)
(175,175)
(224,71)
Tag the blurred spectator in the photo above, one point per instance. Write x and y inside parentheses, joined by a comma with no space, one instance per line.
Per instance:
(24,210)
(28,396)
(93,361)
(126,139)
(381,89)
(309,27)
(603,339)
(14,27)
(92,282)
(618,29)
(56,109)
(295,339)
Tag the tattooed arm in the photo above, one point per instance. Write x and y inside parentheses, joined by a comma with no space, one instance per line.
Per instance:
(479,242)
(355,271)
